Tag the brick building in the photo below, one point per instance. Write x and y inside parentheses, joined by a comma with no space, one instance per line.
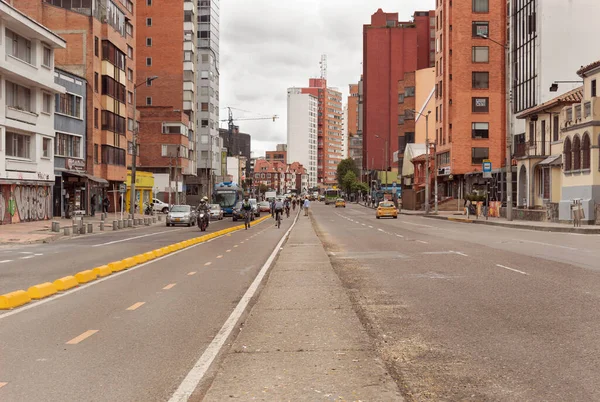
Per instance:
(276,156)
(100,49)
(280,177)
(470,94)
(167,105)
(391,48)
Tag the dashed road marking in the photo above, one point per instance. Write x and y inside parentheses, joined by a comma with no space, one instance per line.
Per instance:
(135,237)
(169,286)
(191,273)
(459,253)
(371,226)
(228,251)
(219,256)
(3,384)
(417,224)
(4,261)
(235,246)
(422,242)
(512,269)
(135,306)
(207,264)
(27,257)
(400,235)
(82,337)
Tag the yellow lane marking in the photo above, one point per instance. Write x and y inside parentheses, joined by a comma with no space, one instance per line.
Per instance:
(136,306)
(228,251)
(207,264)
(192,273)
(219,256)
(169,286)
(82,337)
(3,384)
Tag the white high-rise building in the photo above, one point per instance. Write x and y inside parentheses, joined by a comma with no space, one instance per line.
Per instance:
(345,134)
(302,117)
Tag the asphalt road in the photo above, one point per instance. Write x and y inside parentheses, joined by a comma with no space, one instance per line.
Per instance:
(472,312)
(135,335)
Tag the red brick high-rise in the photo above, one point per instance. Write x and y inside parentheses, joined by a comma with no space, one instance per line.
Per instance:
(391,48)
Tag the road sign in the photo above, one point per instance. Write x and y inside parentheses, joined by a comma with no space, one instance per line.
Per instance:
(487,169)
(122,188)
(394,184)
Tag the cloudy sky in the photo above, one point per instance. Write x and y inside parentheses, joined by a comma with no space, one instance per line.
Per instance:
(270,45)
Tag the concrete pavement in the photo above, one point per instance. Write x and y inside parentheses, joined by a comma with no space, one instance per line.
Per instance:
(470,312)
(303,340)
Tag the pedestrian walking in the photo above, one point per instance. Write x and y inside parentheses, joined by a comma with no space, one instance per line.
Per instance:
(106,204)
(93,204)
(306,206)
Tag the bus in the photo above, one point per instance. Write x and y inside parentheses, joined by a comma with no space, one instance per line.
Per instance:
(331,195)
(227,194)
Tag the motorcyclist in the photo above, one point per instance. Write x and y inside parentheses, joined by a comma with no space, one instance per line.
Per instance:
(247,208)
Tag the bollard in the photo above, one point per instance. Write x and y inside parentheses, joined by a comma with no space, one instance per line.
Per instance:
(120,224)
(90,228)
(154,219)
(115,225)
(82,230)
(102,217)
(67,231)
(147,221)
(160,218)
(102,225)
(55,226)
(129,223)
(135,222)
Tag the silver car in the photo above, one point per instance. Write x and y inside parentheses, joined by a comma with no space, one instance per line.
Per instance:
(216,212)
(181,215)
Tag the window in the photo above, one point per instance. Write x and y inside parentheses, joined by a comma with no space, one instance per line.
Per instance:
(113,88)
(113,122)
(47,103)
(400,98)
(585,152)
(130,124)
(204,123)
(18,97)
(19,48)
(130,52)
(204,107)
(480,105)
(587,109)
(130,74)
(409,114)
(18,145)
(593,88)
(96,117)
(481,54)
(47,60)
(148,2)
(531,132)
(149,82)
(555,124)
(115,17)
(400,119)
(480,28)
(67,145)
(129,29)
(478,155)
(481,80)
(112,53)
(148,61)
(95,82)
(96,156)
(148,42)
(46,147)
(576,153)
(481,6)
(148,22)
(409,91)
(96,46)
(148,100)
(567,155)
(480,130)
(204,74)
(113,156)
(129,97)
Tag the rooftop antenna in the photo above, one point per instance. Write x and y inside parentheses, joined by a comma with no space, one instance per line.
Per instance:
(323,64)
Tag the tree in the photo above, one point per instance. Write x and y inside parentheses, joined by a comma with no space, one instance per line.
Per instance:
(360,188)
(348,181)
(263,188)
(344,167)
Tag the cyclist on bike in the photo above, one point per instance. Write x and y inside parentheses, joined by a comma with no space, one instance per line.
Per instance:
(294,204)
(247,208)
(286,205)
(278,211)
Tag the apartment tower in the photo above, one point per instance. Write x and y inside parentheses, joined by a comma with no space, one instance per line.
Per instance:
(390,49)
(302,131)
(470,94)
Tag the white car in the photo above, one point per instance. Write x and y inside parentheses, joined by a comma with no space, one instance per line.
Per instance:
(160,206)
(216,212)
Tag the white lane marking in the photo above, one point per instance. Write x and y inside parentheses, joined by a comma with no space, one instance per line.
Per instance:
(371,226)
(3,384)
(548,244)
(37,255)
(135,306)
(219,256)
(169,286)
(228,251)
(27,257)
(400,235)
(193,378)
(438,252)
(381,230)
(416,224)
(512,269)
(421,241)
(459,253)
(82,337)
(136,237)
(3,261)
(207,264)
(191,273)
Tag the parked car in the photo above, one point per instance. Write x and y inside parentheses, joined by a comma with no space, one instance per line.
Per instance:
(216,212)
(264,206)
(255,207)
(181,215)
(159,206)
(239,214)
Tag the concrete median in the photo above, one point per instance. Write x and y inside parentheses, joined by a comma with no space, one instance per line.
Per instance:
(42,290)
(65,283)
(129,262)
(86,276)
(117,266)
(102,271)
(14,299)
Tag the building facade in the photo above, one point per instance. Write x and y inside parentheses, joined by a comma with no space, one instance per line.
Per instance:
(27,111)
(237,144)
(276,156)
(101,47)
(470,111)
(390,49)
(280,177)
(302,134)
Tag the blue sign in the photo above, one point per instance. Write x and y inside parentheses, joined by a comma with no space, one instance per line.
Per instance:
(487,167)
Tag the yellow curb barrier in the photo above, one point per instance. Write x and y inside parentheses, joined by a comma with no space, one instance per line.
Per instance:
(129,262)
(140,258)
(150,256)
(42,290)
(14,299)
(117,266)
(65,283)
(102,271)
(166,250)
(159,252)
(86,276)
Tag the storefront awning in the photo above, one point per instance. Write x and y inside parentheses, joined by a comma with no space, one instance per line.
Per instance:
(98,180)
(552,160)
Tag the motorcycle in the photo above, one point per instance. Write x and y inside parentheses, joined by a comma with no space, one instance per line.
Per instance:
(149,210)
(203,220)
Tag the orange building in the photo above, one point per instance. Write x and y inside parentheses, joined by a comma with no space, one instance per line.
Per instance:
(276,156)
(470,93)
(353,110)
(167,104)
(330,129)
(100,48)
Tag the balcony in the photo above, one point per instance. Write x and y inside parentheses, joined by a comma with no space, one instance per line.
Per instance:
(18,114)
(530,149)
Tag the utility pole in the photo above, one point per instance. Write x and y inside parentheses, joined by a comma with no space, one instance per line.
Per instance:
(435,177)
(170,166)
(177,178)
(427,180)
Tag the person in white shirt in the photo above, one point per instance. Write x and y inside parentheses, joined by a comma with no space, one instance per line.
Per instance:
(306,206)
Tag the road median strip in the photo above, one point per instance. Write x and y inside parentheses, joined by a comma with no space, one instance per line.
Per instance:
(18,298)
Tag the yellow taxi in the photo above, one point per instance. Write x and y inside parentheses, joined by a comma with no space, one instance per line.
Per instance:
(387,209)
(340,202)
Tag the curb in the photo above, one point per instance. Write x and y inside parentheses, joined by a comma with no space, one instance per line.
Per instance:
(516,226)
(9,301)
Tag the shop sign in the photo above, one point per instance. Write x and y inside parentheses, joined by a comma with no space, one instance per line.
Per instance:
(75,164)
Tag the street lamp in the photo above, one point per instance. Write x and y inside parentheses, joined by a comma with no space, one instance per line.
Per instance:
(509,128)
(554,86)
(427,167)
(385,158)
(134,142)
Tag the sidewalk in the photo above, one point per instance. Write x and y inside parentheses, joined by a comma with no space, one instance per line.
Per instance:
(41,231)
(302,341)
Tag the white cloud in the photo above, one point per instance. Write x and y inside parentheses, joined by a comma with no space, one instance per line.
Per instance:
(267,46)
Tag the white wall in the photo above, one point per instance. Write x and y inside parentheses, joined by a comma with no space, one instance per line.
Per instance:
(345,139)
(302,112)
(233,168)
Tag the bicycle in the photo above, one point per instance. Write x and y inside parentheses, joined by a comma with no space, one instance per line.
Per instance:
(247,219)
(278,218)
(287,211)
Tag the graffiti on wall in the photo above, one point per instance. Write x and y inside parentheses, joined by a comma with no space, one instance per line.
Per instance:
(20,203)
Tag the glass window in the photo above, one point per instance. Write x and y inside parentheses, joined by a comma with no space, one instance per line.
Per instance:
(204,107)
(130,52)
(409,91)
(46,147)
(148,42)
(67,145)
(18,145)
(478,155)
(481,80)
(20,47)
(481,6)
(480,105)
(480,130)
(96,117)
(481,54)
(480,28)
(400,98)
(148,22)
(18,96)
(47,103)
(148,100)
(130,74)
(47,61)
(148,61)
